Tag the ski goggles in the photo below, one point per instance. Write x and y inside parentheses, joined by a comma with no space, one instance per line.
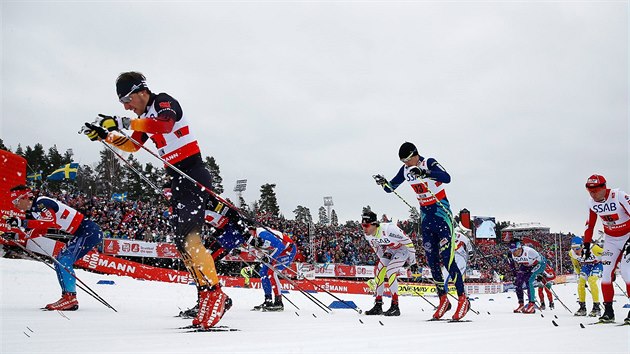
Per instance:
(135,88)
(406,159)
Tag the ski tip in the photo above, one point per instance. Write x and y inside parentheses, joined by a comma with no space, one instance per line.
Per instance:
(582,325)
(554,323)
(314,316)
(381,323)
(297,314)
(360,321)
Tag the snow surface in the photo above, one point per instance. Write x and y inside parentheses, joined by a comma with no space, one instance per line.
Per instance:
(145,322)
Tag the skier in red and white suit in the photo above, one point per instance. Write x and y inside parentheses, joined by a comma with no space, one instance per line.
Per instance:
(613,208)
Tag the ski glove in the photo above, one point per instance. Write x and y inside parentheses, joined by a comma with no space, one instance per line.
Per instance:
(418,173)
(587,250)
(414,268)
(380,180)
(113,122)
(95,132)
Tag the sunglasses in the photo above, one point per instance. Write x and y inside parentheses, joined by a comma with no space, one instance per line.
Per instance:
(127,98)
(366,225)
(406,159)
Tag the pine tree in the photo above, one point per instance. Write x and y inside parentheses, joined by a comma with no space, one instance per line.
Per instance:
(268,200)
(108,173)
(86,180)
(36,159)
(323,216)
(19,151)
(215,173)
(53,160)
(134,185)
(303,214)
(3,147)
(333,218)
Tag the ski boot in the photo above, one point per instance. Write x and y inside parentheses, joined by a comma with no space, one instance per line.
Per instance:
(190,313)
(582,310)
(228,303)
(520,308)
(68,302)
(394,310)
(211,307)
(542,306)
(442,307)
(463,305)
(551,305)
(529,308)
(266,303)
(596,311)
(609,314)
(377,309)
(275,306)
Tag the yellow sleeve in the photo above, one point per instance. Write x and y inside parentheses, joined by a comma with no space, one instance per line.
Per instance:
(576,264)
(597,250)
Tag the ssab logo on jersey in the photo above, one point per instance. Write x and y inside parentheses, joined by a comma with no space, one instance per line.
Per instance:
(601,208)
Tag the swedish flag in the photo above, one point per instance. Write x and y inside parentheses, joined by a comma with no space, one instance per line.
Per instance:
(121,197)
(68,171)
(34,176)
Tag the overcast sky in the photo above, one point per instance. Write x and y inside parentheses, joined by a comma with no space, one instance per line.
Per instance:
(519,101)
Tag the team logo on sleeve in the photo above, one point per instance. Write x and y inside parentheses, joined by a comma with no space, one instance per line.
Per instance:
(165,104)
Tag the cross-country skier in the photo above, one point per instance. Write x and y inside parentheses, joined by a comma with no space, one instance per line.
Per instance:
(394,251)
(588,270)
(276,250)
(521,275)
(463,250)
(247,272)
(44,213)
(544,281)
(427,178)
(613,208)
(534,262)
(161,119)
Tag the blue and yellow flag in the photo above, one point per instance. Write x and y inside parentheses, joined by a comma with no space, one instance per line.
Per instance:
(121,197)
(68,171)
(34,176)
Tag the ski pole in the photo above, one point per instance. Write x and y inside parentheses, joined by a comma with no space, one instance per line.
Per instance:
(560,301)
(315,300)
(81,284)
(357,309)
(620,288)
(255,271)
(155,188)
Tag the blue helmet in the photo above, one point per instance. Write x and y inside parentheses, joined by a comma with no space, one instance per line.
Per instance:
(576,242)
(514,244)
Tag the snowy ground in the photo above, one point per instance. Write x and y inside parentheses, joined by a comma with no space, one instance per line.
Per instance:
(145,322)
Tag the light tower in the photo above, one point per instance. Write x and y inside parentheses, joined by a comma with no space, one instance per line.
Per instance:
(241,186)
(328,202)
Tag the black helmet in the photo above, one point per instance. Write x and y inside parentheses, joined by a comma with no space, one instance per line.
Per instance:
(407,150)
(368,217)
(130,82)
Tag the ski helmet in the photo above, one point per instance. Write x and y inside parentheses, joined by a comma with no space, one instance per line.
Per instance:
(130,82)
(596,181)
(369,217)
(576,242)
(514,244)
(407,150)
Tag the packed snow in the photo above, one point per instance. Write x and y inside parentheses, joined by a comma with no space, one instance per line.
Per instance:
(146,322)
